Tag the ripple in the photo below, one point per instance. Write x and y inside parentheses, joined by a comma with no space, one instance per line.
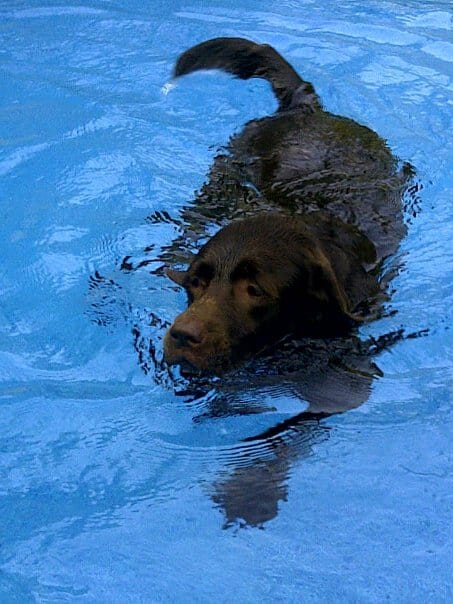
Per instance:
(112,120)
(20,156)
(120,461)
(62,234)
(430,19)
(372,33)
(56,11)
(107,249)
(440,50)
(211,17)
(25,153)
(97,179)
(57,271)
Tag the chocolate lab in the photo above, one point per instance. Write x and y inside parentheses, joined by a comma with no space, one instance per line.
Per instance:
(316,205)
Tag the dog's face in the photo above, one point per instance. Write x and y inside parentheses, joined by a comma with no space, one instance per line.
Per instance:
(255,281)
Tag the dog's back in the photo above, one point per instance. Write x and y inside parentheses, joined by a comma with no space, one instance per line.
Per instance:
(302,159)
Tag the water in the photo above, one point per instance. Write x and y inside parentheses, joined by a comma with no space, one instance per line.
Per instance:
(116,488)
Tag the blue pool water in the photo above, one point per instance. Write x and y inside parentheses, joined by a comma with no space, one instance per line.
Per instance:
(116,488)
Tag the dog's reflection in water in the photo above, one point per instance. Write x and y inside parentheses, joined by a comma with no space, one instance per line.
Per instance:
(327,376)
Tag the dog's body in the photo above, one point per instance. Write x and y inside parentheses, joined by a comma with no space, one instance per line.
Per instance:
(319,197)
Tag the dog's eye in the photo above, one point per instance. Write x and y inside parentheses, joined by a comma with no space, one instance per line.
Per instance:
(254,291)
(195,282)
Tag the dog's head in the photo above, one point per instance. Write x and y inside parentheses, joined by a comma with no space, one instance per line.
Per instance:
(255,281)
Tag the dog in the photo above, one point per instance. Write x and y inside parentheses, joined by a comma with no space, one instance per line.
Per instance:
(316,206)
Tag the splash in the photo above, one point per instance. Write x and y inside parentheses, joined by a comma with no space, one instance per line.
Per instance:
(168,87)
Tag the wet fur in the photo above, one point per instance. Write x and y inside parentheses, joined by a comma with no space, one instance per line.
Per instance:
(315,204)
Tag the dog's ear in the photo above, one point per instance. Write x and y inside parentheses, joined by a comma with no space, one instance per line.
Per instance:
(176,276)
(327,290)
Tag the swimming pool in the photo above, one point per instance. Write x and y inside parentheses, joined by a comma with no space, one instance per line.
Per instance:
(116,488)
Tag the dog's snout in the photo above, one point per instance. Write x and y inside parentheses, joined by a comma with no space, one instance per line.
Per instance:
(187,334)
(198,340)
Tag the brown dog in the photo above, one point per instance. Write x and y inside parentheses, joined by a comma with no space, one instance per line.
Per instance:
(327,198)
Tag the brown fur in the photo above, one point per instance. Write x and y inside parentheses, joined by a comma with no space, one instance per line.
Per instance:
(325,189)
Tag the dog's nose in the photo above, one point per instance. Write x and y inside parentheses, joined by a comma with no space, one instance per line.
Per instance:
(187,334)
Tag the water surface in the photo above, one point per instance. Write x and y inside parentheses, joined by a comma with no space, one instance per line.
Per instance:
(115,486)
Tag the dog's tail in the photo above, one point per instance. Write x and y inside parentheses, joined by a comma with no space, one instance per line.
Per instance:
(245,59)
